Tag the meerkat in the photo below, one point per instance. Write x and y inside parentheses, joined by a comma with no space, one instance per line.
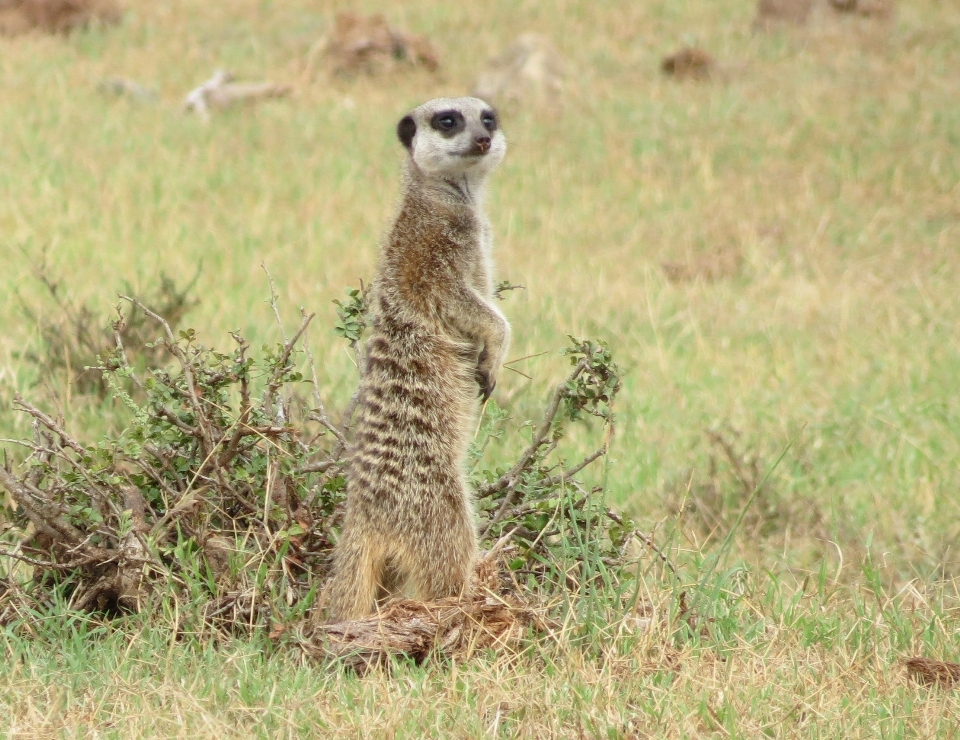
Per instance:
(437,344)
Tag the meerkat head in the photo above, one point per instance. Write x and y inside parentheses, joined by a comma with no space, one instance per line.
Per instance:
(453,138)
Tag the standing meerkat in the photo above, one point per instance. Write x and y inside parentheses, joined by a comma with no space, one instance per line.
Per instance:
(437,343)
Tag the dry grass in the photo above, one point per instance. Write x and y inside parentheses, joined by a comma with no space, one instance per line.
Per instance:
(483,621)
(826,161)
(777,678)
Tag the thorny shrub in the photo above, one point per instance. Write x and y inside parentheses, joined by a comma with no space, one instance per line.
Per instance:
(76,335)
(224,493)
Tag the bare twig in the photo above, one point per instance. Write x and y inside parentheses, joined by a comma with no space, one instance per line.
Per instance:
(539,438)
(525,357)
(498,517)
(170,416)
(345,424)
(50,424)
(320,467)
(319,412)
(570,472)
(648,541)
(273,302)
(80,562)
(504,287)
(281,364)
(155,316)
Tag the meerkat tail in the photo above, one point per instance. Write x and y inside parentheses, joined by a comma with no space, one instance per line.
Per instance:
(355,583)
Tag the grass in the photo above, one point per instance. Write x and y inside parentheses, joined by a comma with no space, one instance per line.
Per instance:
(827,160)
(771,663)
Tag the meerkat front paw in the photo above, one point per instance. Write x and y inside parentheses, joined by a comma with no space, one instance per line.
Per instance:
(486,382)
(486,375)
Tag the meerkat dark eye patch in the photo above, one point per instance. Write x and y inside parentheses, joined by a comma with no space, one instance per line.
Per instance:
(406,130)
(448,122)
(489,120)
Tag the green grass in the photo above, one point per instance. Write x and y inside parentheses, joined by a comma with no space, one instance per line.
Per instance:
(828,159)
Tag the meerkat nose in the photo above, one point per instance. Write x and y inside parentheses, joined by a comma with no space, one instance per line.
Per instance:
(483,144)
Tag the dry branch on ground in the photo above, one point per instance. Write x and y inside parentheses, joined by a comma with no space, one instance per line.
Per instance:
(455,628)
(221,92)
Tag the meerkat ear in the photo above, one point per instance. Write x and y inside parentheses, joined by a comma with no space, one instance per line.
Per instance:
(406,130)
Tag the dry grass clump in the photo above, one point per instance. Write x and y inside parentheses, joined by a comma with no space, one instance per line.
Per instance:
(370,45)
(735,491)
(55,16)
(527,70)
(777,13)
(931,672)
(688,63)
(716,265)
(490,616)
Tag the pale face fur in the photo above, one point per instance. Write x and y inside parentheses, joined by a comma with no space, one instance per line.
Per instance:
(454,139)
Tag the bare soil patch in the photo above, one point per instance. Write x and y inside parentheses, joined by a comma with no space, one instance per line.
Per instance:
(369,45)
(55,16)
(689,63)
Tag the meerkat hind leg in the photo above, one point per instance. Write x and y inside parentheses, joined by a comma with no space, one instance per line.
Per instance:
(443,568)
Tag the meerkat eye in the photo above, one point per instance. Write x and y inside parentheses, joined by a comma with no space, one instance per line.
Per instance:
(447,122)
(489,121)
